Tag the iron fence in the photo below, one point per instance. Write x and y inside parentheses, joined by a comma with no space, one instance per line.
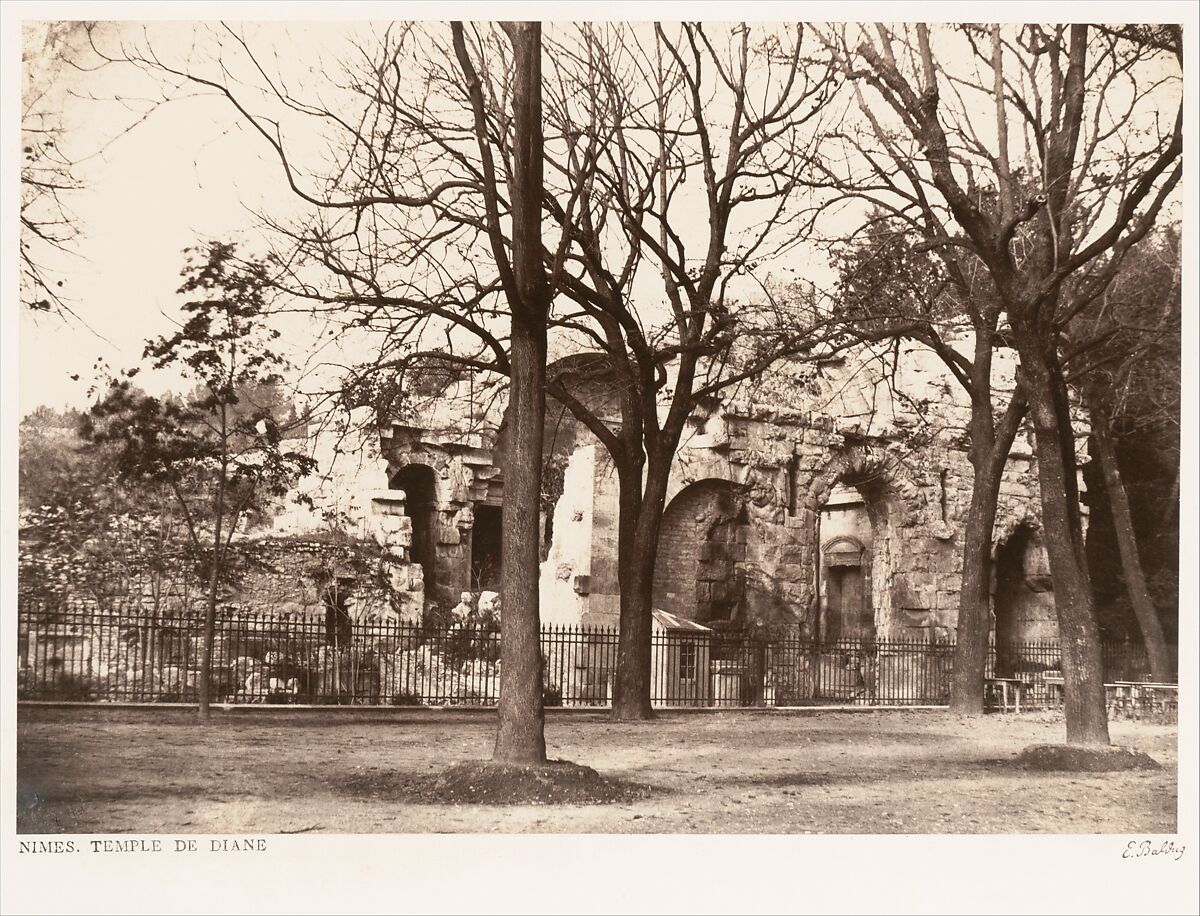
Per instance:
(82,652)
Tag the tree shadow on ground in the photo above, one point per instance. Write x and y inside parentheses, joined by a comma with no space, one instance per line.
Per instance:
(981,768)
(787,780)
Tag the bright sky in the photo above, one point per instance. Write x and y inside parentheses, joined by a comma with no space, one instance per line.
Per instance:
(191,171)
(188,172)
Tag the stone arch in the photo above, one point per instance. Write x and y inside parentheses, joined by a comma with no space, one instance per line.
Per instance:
(764,588)
(420,485)
(763,484)
(1010,525)
(1023,609)
(888,500)
(702,544)
(845,544)
(867,470)
(693,467)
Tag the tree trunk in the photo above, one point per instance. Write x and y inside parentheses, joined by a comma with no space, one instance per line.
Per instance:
(520,737)
(632,682)
(974,597)
(214,581)
(520,734)
(990,446)
(206,651)
(1079,636)
(638,527)
(1131,563)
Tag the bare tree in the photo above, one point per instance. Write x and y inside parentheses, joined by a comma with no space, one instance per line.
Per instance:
(56,154)
(665,133)
(49,174)
(1046,158)
(894,287)
(672,162)
(427,231)
(1128,372)
(520,737)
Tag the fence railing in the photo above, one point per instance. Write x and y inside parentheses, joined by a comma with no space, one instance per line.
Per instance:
(83,653)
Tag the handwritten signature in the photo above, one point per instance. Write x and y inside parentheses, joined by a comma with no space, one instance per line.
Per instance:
(1140,849)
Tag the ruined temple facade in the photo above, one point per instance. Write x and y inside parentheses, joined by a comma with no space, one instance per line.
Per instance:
(816,499)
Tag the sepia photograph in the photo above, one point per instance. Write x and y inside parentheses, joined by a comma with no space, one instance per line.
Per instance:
(576,457)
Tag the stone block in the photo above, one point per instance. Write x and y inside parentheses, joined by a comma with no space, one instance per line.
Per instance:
(793,554)
(947,600)
(763,554)
(602,611)
(791,572)
(604,575)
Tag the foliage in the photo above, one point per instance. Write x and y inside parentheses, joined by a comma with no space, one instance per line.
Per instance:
(223,452)
(52,458)
(224,455)
(1129,375)
(64,687)
(83,529)
(889,285)
(1133,341)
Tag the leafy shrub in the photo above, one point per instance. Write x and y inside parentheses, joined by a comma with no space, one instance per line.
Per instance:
(65,687)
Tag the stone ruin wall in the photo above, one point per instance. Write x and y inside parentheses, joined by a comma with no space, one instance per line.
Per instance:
(779,477)
(748,486)
(758,560)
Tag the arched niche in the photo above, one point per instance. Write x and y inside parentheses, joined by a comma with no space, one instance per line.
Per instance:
(1022,599)
(701,544)
(419,483)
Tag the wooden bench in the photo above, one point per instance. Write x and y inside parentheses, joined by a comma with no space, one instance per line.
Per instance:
(1162,699)
(1139,698)
(1124,696)
(1055,683)
(1016,685)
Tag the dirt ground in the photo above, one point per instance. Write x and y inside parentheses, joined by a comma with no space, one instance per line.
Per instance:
(88,770)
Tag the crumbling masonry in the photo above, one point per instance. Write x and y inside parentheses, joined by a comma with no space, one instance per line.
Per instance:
(831,498)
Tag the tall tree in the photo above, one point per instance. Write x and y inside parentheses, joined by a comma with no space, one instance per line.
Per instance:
(671,181)
(520,735)
(223,459)
(1046,158)
(683,157)
(1128,373)
(891,286)
(452,208)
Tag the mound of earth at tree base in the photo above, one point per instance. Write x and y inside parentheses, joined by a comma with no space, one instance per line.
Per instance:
(556,782)
(478,782)
(1085,759)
